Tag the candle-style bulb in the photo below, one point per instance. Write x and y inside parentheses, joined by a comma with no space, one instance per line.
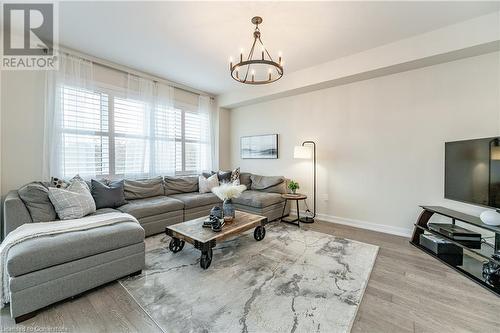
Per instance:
(241,55)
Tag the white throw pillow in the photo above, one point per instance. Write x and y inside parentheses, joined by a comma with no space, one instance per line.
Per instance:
(73,202)
(207,184)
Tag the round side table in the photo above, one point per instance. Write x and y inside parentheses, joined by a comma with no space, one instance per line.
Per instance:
(297,197)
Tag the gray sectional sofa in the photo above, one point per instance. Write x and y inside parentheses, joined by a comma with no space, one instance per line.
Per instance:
(46,270)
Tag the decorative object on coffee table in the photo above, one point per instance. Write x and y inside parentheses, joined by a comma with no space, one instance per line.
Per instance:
(226,192)
(204,239)
(304,152)
(295,197)
(293,186)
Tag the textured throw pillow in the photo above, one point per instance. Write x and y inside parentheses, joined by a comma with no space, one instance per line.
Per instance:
(146,188)
(208,174)
(108,196)
(36,198)
(73,202)
(207,184)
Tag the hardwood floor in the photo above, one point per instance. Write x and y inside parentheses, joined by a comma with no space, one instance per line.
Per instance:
(408,291)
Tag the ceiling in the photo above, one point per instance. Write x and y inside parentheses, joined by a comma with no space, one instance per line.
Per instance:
(191,42)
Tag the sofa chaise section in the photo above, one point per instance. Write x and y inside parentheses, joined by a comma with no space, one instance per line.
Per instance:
(45,270)
(263,196)
(262,203)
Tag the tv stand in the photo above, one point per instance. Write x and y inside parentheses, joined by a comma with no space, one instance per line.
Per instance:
(473,259)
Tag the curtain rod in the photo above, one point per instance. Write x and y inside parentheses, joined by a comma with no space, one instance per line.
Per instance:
(127,70)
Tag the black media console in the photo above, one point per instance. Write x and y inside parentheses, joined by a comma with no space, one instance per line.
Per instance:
(473,259)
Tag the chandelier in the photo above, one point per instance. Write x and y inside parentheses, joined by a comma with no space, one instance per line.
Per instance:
(255,69)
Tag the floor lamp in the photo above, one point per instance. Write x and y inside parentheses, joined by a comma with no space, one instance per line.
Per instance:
(304,152)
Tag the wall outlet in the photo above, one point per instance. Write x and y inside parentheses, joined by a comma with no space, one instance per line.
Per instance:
(324,197)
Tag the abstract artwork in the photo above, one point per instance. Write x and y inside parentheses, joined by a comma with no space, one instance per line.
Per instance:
(259,146)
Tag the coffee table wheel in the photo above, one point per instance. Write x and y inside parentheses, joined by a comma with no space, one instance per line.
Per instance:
(259,233)
(176,245)
(206,259)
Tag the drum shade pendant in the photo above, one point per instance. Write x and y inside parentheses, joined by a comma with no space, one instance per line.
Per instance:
(259,67)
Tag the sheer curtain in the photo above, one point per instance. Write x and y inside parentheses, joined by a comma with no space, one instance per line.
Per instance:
(206,134)
(69,138)
(136,130)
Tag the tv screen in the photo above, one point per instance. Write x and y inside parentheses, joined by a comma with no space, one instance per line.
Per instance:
(472,171)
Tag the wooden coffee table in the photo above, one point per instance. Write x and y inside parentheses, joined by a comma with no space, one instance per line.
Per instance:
(204,239)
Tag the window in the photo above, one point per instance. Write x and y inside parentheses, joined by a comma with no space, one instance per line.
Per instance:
(106,134)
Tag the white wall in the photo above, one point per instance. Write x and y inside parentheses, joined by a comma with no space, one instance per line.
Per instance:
(224,139)
(22,126)
(380,141)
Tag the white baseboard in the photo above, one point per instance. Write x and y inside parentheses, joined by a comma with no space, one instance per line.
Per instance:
(398,231)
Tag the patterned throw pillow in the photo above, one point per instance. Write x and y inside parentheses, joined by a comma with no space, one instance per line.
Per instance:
(207,184)
(73,202)
(235,176)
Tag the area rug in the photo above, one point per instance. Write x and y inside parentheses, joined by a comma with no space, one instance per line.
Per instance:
(293,280)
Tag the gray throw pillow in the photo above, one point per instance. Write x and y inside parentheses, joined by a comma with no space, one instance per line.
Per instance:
(108,196)
(224,176)
(36,198)
(145,188)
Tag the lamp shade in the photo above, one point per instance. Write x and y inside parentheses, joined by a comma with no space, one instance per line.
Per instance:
(495,153)
(302,152)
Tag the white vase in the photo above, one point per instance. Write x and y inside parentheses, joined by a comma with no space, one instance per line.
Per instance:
(490,217)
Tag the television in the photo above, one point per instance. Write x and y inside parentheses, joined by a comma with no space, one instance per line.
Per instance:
(472,171)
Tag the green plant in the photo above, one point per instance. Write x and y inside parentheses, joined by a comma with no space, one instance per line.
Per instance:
(293,186)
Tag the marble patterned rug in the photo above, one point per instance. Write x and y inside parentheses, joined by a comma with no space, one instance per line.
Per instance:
(292,281)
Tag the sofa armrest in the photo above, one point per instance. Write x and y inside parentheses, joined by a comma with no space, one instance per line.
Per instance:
(15,213)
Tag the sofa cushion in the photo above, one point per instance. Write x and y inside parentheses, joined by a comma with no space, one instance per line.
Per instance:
(36,198)
(194,199)
(42,252)
(140,208)
(145,188)
(245,179)
(272,184)
(258,199)
(175,185)
(108,196)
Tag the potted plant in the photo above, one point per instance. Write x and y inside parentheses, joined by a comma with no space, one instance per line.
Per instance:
(227,192)
(293,186)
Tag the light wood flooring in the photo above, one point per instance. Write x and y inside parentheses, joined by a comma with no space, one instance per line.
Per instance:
(408,291)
